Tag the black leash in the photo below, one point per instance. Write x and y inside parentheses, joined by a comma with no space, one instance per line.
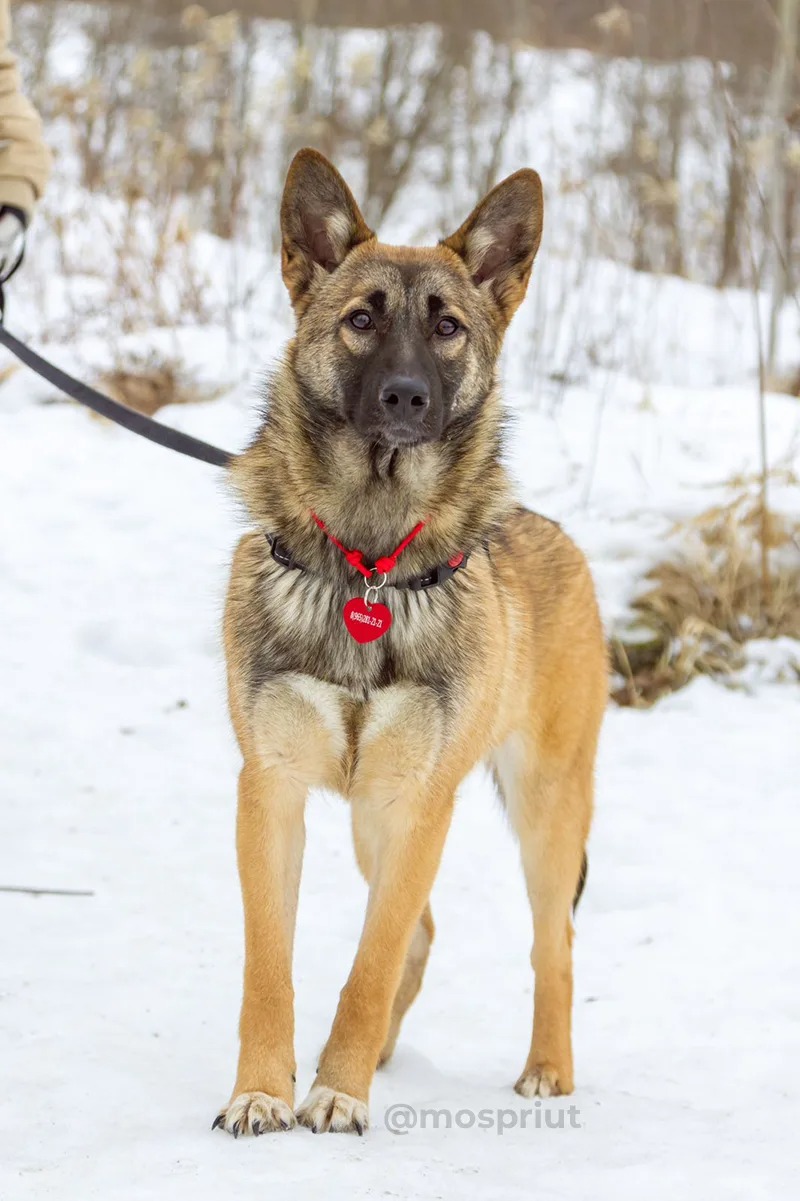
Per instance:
(129,419)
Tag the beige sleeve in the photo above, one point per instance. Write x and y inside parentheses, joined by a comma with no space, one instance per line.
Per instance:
(24,157)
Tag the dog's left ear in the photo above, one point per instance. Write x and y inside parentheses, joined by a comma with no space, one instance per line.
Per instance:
(500,238)
(320,222)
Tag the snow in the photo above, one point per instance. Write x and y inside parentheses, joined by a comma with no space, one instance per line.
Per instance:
(118,1010)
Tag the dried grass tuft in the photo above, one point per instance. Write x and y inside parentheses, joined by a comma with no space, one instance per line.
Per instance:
(707,599)
(149,384)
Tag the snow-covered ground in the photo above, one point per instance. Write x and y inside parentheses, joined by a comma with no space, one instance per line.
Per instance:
(118,1010)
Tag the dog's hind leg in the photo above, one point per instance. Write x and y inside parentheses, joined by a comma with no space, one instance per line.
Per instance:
(418,951)
(550,813)
(411,982)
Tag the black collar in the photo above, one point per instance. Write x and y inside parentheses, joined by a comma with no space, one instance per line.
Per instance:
(419,583)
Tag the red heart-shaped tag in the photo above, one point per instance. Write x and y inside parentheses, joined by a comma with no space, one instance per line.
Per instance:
(366,622)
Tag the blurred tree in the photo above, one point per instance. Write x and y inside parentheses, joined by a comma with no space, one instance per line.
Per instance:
(779,105)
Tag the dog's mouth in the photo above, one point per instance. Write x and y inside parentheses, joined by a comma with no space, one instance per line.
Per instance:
(399,439)
(397,436)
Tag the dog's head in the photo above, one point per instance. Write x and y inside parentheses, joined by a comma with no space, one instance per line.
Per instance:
(394,341)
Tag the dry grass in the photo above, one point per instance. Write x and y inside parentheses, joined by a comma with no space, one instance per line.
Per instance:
(8,370)
(148,384)
(706,600)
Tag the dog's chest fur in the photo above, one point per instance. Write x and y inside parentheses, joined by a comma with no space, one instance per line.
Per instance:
(293,622)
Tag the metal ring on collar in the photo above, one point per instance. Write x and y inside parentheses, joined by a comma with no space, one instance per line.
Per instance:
(376,589)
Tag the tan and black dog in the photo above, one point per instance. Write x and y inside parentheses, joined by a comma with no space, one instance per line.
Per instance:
(383,422)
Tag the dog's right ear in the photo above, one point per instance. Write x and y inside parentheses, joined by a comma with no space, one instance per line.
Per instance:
(320,223)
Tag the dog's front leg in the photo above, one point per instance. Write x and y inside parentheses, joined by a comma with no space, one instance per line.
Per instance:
(296,740)
(270,837)
(402,805)
(406,861)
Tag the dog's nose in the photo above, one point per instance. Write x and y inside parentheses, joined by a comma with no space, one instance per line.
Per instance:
(405,399)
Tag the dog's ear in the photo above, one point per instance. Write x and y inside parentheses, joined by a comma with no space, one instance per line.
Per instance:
(320,222)
(499,239)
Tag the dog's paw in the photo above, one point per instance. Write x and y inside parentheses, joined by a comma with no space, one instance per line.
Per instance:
(255,1113)
(543,1080)
(325,1109)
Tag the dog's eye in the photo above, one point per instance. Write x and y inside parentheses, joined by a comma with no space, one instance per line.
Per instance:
(361,320)
(447,327)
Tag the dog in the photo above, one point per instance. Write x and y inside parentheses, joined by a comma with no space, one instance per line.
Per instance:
(393,619)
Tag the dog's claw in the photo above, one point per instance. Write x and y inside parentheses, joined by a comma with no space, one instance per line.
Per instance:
(325,1109)
(543,1080)
(255,1114)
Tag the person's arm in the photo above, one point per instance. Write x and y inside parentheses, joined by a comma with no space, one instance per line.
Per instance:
(24,157)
